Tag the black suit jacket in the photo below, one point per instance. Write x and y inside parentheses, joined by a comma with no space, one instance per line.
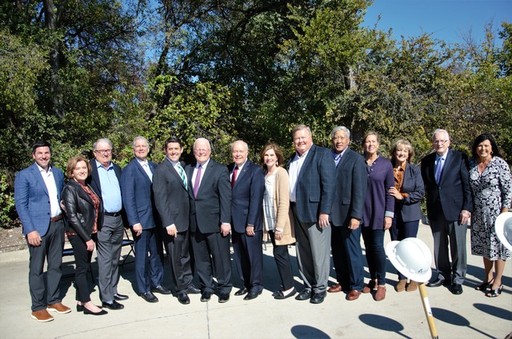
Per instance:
(171,197)
(412,184)
(453,194)
(247,197)
(212,207)
(350,189)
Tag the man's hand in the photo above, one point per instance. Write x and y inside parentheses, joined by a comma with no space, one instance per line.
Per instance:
(172,230)
(225,228)
(354,224)
(323,220)
(464,217)
(249,230)
(34,239)
(137,229)
(90,245)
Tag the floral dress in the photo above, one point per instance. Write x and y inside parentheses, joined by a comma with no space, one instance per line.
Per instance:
(492,191)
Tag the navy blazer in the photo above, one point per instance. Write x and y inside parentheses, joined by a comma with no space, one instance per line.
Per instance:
(314,190)
(247,197)
(171,197)
(409,207)
(94,181)
(351,181)
(453,194)
(31,198)
(212,207)
(137,194)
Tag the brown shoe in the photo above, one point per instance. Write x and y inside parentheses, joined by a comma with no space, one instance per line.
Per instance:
(369,287)
(335,288)
(353,295)
(412,286)
(59,308)
(400,286)
(42,316)
(380,294)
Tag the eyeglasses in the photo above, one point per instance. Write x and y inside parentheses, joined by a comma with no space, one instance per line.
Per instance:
(440,141)
(106,151)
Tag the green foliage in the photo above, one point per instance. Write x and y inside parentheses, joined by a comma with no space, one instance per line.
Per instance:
(7,211)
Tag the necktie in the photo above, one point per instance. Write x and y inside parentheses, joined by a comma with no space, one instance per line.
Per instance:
(182,175)
(197,181)
(233,177)
(439,169)
(337,158)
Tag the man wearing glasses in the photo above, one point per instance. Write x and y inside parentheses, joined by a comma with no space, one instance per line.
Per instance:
(104,180)
(449,206)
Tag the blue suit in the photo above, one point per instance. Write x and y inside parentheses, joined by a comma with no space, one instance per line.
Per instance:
(246,209)
(33,207)
(138,203)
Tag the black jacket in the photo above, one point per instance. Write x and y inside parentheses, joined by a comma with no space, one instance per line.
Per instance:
(80,213)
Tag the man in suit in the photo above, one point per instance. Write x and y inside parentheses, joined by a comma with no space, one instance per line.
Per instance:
(312,177)
(170,186)
(248,185)
(139,205)
(449,206)
(346,215)
(104,180)
(37,191)
(210,221)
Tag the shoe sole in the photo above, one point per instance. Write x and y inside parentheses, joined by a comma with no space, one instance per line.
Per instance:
(42,320)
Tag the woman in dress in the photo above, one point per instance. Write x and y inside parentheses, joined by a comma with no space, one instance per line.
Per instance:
(408,192)
(83,208)
(277,220)
(379,206)
(492,194)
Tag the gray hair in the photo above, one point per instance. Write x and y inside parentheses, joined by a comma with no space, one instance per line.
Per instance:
(440,130)
(340,128)
(242,142)
(137,138)
(101,141)
(202,140)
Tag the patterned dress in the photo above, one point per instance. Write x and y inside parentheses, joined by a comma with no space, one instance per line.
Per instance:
(492,191)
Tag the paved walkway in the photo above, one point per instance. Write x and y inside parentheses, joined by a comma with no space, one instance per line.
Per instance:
(400,315)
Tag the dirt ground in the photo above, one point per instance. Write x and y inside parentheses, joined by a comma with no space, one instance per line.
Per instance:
(11,239)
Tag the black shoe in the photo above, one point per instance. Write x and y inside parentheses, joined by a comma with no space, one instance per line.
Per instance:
(252,295)
(436,283)
(456,289)
(114,305)
(223,298)
(119,296)
(191,289)
(205,296)
(102,312)
(484,287)
(304,295)
(183,298)
(149,297)
(317,298)
(160,289)
(281,295)
(79,308)
(241,291)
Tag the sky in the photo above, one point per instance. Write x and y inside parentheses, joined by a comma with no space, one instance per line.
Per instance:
(449,20)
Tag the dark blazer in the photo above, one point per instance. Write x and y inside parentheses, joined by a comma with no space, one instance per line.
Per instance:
(213,203)
(350,189)
(453,194)
(137,194)
(412,184)
(247,197)
(171,197)
(94,182)
(31,198)
(80,213)
(314,190)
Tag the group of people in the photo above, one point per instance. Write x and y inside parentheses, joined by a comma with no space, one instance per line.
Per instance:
(323,200)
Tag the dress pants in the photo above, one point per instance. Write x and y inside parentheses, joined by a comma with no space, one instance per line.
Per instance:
(401,230)
(313,245)
(282,258)
(453,235)
(46,292)
(82,261)
(213,248)
(149,271)
(249,259)
(375,254)
(109,241)
(178,252)
(347,257)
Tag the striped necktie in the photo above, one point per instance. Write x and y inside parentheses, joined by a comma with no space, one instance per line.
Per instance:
(182,175)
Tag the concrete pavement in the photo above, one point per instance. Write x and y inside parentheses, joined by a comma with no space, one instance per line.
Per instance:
(400,315)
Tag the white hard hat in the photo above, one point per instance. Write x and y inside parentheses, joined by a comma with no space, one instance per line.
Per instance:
(411,257)
(503,227)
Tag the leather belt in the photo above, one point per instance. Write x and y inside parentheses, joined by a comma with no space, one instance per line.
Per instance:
(114,214)
(57,218)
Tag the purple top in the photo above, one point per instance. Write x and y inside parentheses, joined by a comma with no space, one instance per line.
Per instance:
(378,202)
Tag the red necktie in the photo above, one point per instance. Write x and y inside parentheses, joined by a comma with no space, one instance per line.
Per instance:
(233,177)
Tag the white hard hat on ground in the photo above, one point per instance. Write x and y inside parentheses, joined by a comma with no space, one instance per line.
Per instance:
(503,227)
(411,257)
